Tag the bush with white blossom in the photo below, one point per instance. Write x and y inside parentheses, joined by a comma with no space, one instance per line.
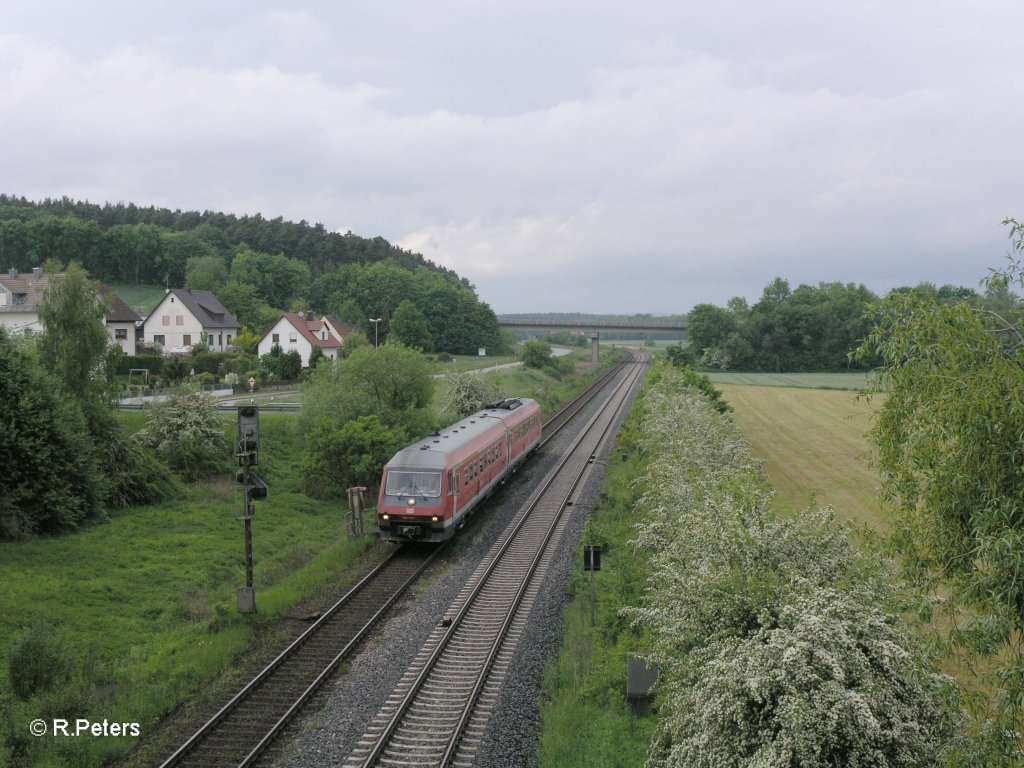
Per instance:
(187,432)
(772,633)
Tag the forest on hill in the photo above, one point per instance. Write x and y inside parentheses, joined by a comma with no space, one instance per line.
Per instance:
(258,267)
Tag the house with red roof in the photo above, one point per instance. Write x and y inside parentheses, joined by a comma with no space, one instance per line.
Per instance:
(302,334)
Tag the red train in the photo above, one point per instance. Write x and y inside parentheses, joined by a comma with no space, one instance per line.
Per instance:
(428,489)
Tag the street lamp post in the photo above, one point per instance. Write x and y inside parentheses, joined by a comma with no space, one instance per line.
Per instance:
(375,321)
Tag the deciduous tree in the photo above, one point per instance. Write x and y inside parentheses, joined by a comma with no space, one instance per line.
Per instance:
(187,432)
(74,339)
(351,454)
(535,353)
(52,477)
(950,439)
(409,326)
(467,393)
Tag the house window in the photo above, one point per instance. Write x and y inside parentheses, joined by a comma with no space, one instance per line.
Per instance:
(121,333)
(220,339)
(187,340)
(228,342)
(293,337)
(166,319)
(159,339)
(275,338)
(179,320)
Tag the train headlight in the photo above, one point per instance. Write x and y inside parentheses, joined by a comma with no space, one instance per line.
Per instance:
(412,502)
(385,517)
(434,519)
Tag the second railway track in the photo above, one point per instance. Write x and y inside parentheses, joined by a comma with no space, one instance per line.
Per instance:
(439,711)
(243,729)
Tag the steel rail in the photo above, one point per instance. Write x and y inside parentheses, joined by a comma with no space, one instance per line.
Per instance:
(574,406)
(488,665)
(388,730)
(551,428)
(236,701)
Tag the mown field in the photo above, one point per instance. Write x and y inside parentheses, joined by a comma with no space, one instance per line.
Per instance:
(814,446)
(854,380)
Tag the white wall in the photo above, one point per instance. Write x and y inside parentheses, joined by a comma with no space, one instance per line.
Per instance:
(18,322)
(286,331)
(127,343)
(172,321)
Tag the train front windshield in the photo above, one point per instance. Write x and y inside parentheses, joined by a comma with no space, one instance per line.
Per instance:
(402,483)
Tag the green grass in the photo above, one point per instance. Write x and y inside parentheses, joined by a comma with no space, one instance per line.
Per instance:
(586,719)
(470,363)
(142,298)
(814,446)
(551,392)
(145,603)
(850,381)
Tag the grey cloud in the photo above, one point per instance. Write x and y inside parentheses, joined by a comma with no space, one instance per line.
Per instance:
(573,156)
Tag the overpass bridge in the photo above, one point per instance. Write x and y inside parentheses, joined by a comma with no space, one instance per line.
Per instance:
(593,327)
(514,323)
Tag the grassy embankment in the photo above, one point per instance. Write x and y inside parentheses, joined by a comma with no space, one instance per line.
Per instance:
(144,605)
(850,380)
(813,445)
(587,721)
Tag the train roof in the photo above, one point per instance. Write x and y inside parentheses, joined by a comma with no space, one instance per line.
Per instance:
(431,451)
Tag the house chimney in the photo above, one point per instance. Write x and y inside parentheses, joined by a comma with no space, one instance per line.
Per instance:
(13,274)
(37,272)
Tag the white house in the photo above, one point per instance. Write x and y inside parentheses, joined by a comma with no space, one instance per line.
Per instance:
(184,318)
(301,334)
(20,296)
(19,301)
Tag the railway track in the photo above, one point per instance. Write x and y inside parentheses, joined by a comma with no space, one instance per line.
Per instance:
(243,729)
(246,725)
(439,711)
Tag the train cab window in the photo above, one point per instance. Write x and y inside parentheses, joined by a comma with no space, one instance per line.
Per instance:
(451,482)
(402,483)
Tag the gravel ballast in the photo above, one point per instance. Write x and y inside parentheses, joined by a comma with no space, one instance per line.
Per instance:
(327,736)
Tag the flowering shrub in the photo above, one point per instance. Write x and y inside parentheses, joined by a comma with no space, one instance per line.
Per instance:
(187,433)
(467,394)
(770,631)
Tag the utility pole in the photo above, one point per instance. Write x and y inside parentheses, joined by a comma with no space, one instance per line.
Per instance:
(355,505)
(375,321)
(253,489)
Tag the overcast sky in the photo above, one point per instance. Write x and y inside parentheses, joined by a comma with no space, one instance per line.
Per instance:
(563,156)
